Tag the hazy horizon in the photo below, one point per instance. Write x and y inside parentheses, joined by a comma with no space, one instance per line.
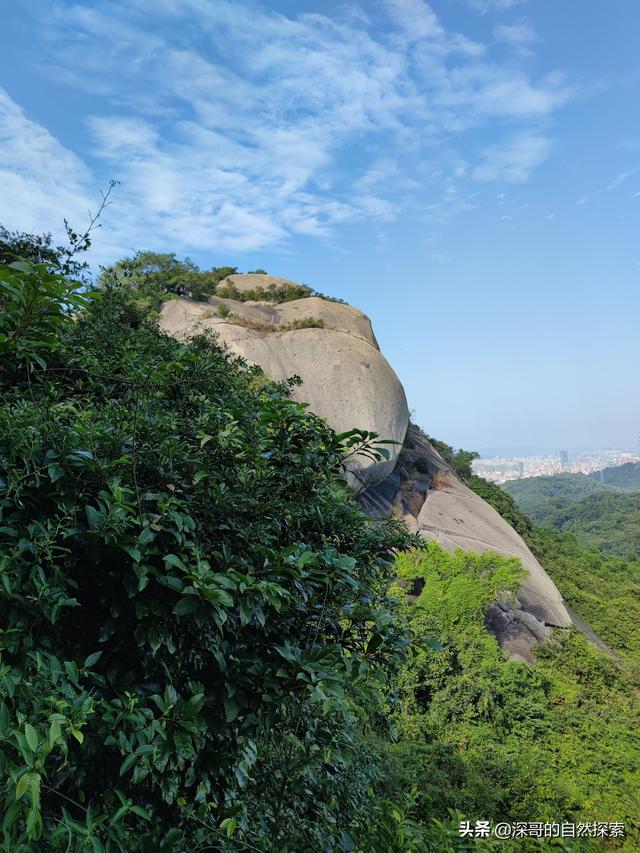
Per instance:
(465,171)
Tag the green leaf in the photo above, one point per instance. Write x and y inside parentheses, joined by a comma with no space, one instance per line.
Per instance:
(172,582)
(121,812)
(194,705)
(374,643)
(129,761)
(141,812)
(229,825)
(55,730)
(174,560)
(186,605)
(55,472)
(22,785)
(11,816)
(34,823)
(32,736)
(133,552)
(94,658)
(4,720)
(94,517)
(231,709)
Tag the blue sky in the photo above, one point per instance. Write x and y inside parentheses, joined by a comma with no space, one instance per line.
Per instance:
(466,171)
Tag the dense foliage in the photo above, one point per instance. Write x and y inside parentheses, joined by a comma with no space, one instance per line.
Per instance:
(272,293)
(196,637)
(198,644)
(150,278)
(609,521)
(501,740)
(601,588)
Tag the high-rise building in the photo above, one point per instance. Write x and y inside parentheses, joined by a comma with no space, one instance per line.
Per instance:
(564,458)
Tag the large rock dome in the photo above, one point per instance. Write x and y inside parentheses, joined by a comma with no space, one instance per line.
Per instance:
(347,380)
(329,345)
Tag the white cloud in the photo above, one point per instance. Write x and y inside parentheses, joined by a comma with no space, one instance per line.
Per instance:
(513,161)
(232,127)
(38,176)
(518,34)
(493,5)
(415,18)
(617,181)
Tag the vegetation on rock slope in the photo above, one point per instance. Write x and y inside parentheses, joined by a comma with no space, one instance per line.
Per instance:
(489,738)
(500,740)
(151,278)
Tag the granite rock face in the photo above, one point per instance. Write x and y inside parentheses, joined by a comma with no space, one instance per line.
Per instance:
(433,502)
(345,377)
(347,380)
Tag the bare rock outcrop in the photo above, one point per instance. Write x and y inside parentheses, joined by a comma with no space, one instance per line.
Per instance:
(347,380)
(329,345)
(427,495)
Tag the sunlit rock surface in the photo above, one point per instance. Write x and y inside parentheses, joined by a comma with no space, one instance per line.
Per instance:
(345,377)
(347,380)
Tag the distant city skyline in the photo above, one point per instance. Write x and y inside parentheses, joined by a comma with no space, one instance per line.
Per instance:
(499,469)
(467,173)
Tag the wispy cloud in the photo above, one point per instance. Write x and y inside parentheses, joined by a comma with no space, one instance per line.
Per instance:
(416,18)
(518,34)
(617,181)
(233,127)
(37,174)
(513,161)
(484,6)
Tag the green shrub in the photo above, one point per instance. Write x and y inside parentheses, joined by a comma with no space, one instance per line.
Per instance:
(196,633)
(275,293)
(148,278)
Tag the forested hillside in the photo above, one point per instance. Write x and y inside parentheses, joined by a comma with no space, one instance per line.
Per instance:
(502,740)
(205,644)
(599,516)
(625,476)
(532,493)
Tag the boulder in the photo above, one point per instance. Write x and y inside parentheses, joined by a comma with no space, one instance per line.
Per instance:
(347,380)
(345,377)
